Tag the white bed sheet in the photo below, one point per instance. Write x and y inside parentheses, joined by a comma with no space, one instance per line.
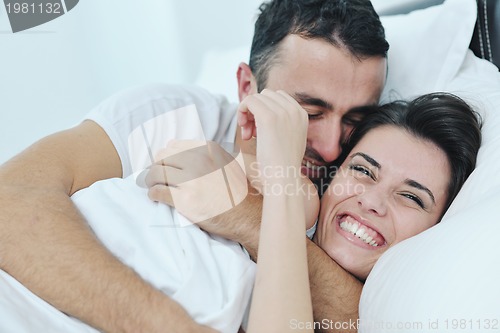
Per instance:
(211,277)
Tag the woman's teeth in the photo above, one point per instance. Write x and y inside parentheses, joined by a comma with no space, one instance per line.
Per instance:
(358,231)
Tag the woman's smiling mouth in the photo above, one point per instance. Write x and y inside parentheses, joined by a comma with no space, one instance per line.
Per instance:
(359,232)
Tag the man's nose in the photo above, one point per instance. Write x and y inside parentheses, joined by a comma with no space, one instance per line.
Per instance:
(326,140)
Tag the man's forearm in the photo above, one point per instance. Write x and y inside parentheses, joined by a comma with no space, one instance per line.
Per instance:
(47,246)
(335,293)
(49,249)
(240,224)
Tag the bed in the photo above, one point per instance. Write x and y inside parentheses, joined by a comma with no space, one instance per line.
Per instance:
(445,279)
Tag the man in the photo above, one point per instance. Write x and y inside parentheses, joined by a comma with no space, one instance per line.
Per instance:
(329,55)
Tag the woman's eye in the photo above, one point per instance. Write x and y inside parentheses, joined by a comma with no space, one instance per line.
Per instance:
(361,169)
(415,199)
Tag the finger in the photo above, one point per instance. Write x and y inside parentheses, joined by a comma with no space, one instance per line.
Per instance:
(177,160)
(256,106)
(245,120)
(200,160)
(140,180)
(289,98)
(303,113)
(283,105)
(275,102)
(280,97)
(161,193)
(153,175)
(242,114)
(162,175)
(247,132)
(254,132)
(207,159)
(183,158)
(172,154)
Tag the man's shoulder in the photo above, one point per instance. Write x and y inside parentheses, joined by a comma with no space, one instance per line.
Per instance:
(165,90)
(163,97)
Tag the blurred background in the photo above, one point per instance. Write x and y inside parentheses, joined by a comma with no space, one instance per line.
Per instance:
(53,74)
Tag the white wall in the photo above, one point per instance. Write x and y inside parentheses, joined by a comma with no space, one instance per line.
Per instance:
(51,75)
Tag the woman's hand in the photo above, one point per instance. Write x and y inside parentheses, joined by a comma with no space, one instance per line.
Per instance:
(280,125)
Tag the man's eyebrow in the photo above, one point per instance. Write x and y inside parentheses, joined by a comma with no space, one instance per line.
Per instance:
(417,185)
(303,98)
(369,159)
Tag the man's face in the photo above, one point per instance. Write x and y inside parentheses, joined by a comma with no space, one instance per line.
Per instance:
(327,82)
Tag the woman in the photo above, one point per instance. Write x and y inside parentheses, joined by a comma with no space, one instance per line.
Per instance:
(435,138)
(403,166)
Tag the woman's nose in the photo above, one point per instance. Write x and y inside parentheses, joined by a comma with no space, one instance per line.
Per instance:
(373,201)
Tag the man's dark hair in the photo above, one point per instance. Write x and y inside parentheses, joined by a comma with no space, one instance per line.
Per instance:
(349,24)
(441,118)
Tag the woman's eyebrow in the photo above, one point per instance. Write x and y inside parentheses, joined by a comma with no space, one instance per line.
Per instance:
(369,159)
(409,182)
(417,185)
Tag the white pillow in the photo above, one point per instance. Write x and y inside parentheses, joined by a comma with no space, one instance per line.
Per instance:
(446,279)
(427,47)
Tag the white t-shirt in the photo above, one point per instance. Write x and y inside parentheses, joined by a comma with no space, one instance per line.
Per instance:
(209,276)
(141,121)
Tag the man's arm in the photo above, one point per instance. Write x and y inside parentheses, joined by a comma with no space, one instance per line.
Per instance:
(47,246)
(335,293)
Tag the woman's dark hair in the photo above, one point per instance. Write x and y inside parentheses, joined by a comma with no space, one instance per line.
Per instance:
(441,118)
(350,24)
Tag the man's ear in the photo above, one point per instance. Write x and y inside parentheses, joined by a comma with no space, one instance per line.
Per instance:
(247,84)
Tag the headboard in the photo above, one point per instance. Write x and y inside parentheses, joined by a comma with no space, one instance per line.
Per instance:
(486,39)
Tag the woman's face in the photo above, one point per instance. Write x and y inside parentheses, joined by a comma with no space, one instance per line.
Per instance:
(391,186)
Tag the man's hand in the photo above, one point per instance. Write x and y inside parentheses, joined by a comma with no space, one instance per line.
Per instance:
(201,180)
(189,178)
